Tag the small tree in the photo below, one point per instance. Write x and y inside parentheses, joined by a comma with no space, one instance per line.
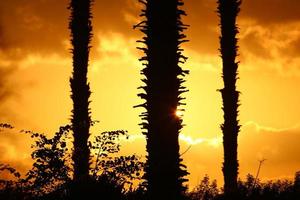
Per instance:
(51,168)
(206,190)
(113,174)
(119,170)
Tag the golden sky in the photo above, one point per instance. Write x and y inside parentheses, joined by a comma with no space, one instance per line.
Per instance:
(35,66)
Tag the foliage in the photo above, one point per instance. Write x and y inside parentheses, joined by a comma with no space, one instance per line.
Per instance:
(5,126)
(50,176)
(297,183)
(206,190)
(51,157)
(10,189)
(113,175)
(250,189)
(280,189)
(120,170)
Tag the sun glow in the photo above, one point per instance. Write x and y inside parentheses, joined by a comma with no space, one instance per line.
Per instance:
(179,113)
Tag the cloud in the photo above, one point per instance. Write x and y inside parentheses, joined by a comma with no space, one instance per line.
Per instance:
(268,12)
(14,149)
(5,70)
(42,25)
(33,26)
(203,32)
(272,49)
(39,29)
(204,21)
(203,62)
(252,43)
(269,40)
(267,129)
(5,92)
(8,89)
(294,47)
(278,145)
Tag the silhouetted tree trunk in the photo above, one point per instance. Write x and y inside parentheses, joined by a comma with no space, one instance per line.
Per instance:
(163,27)
(228,11)
(81,28)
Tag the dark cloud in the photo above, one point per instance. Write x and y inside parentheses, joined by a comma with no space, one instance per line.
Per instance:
(273,22)
(2,41)
(203,32)
(252,43)
(268,12)
(5,91)
(41,26)
(33,26)
(293,48)
(277,44)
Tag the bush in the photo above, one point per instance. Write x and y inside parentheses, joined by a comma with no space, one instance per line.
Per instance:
(112,176)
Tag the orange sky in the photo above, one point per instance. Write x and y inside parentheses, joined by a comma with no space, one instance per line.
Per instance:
(35,66)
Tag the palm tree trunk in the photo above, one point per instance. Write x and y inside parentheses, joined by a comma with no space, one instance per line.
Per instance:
(163,28)
(228,11)
(80,26)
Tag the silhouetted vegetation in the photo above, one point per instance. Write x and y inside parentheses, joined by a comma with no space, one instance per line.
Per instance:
(110,183)
(228,11)
(163,35)
(96,169)
(206,190)
(250,189)
(113,175)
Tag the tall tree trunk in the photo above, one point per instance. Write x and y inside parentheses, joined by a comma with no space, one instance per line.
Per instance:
(163,29)
(228,11)
(81,28)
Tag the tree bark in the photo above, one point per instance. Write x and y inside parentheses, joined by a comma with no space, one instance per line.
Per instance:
(162,90)
(81,28)
(228,11)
